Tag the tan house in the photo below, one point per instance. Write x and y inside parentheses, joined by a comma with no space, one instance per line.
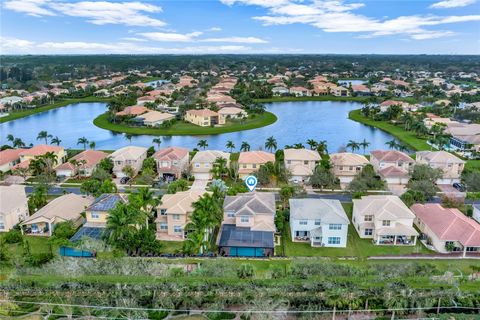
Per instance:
(202,118)
(97,212)
(301,163)
(86,162)
(155,118)
(347,165)
(171,162)
(250,161)
(39,150)
(451,165)
(392,165)
(65,208)
(9,158)
(227,113)
(385,219)
(202,163)
(173,214)
(128,156)
(339,91)
(13,206)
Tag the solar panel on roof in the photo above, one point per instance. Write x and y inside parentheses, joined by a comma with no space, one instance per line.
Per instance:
(90,232)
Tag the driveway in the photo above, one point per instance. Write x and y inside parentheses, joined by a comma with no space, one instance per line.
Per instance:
(199,185)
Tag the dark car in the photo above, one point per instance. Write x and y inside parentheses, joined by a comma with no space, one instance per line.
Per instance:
(124,180)
(460,187)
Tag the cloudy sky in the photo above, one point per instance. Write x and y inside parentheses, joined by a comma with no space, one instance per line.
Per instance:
(240,26)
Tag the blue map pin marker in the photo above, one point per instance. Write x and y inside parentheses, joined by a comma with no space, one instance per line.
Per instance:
(251,182)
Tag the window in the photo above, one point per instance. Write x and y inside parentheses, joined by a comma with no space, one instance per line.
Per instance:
(244,166)
(176,217)
(163,212)
(289,161)
(94,215)
(369,217)
(317,222)
(2,223)
(350,168)
(368,232)
(197,165)
(305,162)
(207,165)
(230,214)
(386,223)
(303,222)
(341,168)
(333,240)
(163,226)
(244,219)
(254,166)
(335,226)
(177,229)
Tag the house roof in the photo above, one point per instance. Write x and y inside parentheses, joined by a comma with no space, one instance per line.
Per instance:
(348,159)
(386,207)
(203,113)
(327,210)
(233,236)
(133,111)
(251,204)
(257,157)
(9,155)
(12,197)
(40,149)
(231,111)
(171,153)
(390,156)
(301,154)
(180,202)
(92,158)
(66,207)
(449,224)
(210,156)
(393,171)
(153,116)
(107,201)
(129,153)
(439,157)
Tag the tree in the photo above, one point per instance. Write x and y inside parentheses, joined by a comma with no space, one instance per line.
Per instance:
(56,141)
(157,141)
(92,145)
(83,141)
(150,165)
(312,143)
(37,199)
(472,181)
(18,143)
(129,172)
(11,138)
(44,135)
(364,144)
(144,200)
(412,196)
(177,186)
(122,222)
(230,145)
(323,178)
(353,145)
(219,168)
(286,193)
(202,144)
(129,137)
(245,146)
(366,180)
(423,179)
(106,164)
(392,144)
(271,144)
(322,147)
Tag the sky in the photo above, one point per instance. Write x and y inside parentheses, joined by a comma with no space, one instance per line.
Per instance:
(240,26)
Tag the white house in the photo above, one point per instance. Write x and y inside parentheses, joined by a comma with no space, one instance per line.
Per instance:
(476,212)
(322,222)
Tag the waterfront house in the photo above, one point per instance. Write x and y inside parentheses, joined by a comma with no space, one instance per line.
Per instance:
(132,111)
(300,92)
(155,118)
(202,117)
(320,222)
(128,156)
(450,165)
(250,161)
(227,113)
(392,165)
(202,163)
(39,150)
(9,158)
(97,212)
(83,163)
(248,226)
(301,163)
(385,219)
(447,229)
(280,91)
(347,165)
(171,162)
(339,91)
(68,207)
(173,214)
(13,206)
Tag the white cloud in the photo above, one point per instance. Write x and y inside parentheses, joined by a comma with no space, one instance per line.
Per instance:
(170,37)
(31,7)
(214,29)
(235,40)
(432,35)
(452,4)
(14,45)
(134,39)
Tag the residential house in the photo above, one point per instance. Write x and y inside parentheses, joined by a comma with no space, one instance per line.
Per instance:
(280,91)
(339,91)
(361,90)
(248,226)
(227,113)
(173,214)
(9,158)
(320,222)
(155,118)
(250,161)
(83,163)
(300,91)
(392,165)
(39,150)
(132,111)
(68,207)
(128,156)
(202,163)
(202,118)
(447,229)
(451,165)
(385,219)
(476,212)
(97,212)
(13,206)
(171,162)
(301,163)
(347,165)
(464,136)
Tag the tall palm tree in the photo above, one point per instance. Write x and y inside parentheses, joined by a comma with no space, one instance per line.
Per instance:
(83,141)
(92,145)
(353,145)
(230,145)
(419,128)
(122,222)
(219,168)
(18,143)
(322,147)
(245,146)
(392,144)
(298,146)
(202,144)
(10,137)
(128,136)
(144,200)
(271,144)
(56,140)
(157,141)
(364,144)
(312,143)
(44,135)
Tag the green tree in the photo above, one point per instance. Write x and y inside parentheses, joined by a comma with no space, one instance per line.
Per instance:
(353,145)
(129,172)
(157,141)
(286,193)
(202,144)
(245,146)
(83,141)
(56,141)
(92,145)
(271,144)
(106,164)
(230,145)
(312,143)
(177,186)
(364,144)
(323,178)
(44,135)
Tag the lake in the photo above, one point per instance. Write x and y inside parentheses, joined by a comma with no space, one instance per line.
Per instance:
(297,122)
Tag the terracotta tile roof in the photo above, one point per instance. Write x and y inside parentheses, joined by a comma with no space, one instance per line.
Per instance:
(171,153)
(391,156)
(203,113)
(258,157)
(393,171)
(9,155)
(348,159)
(133,111)
(301,154)
(40,149)
(92,158)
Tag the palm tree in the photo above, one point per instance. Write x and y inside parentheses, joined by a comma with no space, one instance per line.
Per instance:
(271,144)
(245,146)
(419,128)
(298,146)
(144,200)
(157,141)
(322,147)
(230,145)
(56,141)
(364,144)
(44,135)
(219,168)
(202,144)
(92,145)
(18,143)
(353,145)
(312,143)
(83,141)
(122,223)
(10,138)
(392,144)
(128,136)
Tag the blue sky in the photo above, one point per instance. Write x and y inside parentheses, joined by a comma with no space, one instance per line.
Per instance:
(240,26)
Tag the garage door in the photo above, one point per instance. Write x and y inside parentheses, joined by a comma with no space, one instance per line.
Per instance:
(202,176)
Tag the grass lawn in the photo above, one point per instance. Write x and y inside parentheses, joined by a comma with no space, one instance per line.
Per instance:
(356,247)
(184,128)
(407,137)
(171,246)
(37,245)
(472,165)
(24,113)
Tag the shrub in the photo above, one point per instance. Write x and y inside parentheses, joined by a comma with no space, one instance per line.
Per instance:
(13,236)
(176,272)
(245,270)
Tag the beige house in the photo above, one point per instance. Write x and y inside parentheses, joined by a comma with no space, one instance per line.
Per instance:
(86,162)
(97,212)
(451,165)
(13,206)
(347,165)
(128,156)
(155,118)
(173,214)
(39,150)
(301,163)
(392,165)
(250,161)
(171,162)
(385,219)
(202,163)
(202,118)
(227,113)
(339,91)
(9,158)
(65,208)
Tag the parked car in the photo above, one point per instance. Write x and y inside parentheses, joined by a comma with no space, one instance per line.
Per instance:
(124,180)
(460,187)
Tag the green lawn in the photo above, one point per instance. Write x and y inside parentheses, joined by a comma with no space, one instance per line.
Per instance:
(24,113)
(171,246)
(184,128)
(356,247)
(473,165)
(407,137)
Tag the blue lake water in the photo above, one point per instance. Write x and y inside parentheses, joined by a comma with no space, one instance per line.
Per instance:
(297,122)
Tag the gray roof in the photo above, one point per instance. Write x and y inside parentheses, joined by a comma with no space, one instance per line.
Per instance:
(233,236)
(106,202)
(251,203)
(327,210)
